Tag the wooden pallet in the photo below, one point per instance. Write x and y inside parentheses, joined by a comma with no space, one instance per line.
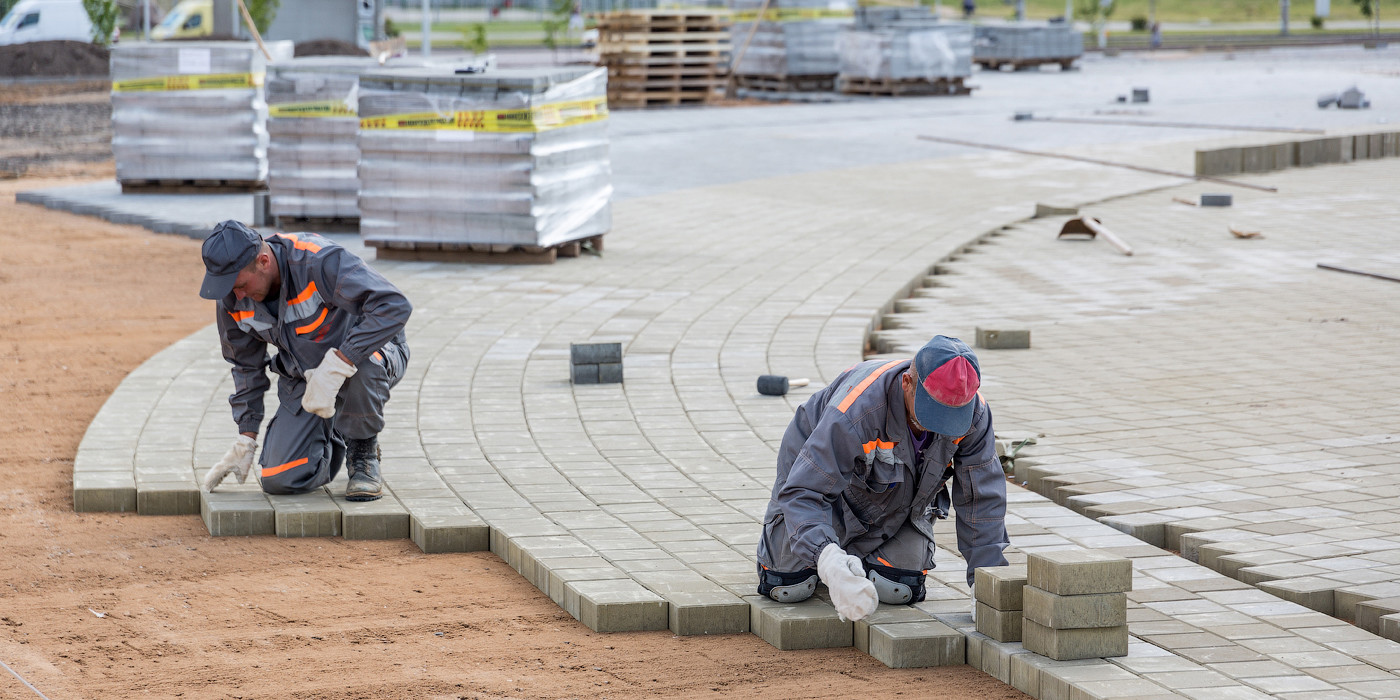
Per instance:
(348,224)
(494,254)
(191,186)
(893,88)
(787,83)
(643,100)
(1024,64)
(663,57)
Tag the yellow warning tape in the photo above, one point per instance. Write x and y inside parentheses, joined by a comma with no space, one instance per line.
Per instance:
(327,108)
(792,14)
(539,118)
(212,81)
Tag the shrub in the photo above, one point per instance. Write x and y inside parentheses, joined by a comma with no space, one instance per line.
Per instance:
(1317,21)
(1139,24)
(104,14)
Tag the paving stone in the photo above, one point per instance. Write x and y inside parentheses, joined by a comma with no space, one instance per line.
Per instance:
(1063,645)
(917,644)
(167,499)
(232,514)
(811,624)
(306,515)
(1075,611)
(1002,338)
(1308,591)
(101,494)
(883,615)
(617,606)
(1370,612)
(1347,598)
(436,534)
(707,612)
(383,519)
(999,586)
(1001,625)
(1078,572)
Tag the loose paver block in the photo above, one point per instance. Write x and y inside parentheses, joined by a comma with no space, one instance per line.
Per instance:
(1003,339)
(1063,645)
(1075,611)
(236,513)
(1001,625)
(811,624)
(917,644)
(1079,572)
(619,605)
(999,586)
(712,612)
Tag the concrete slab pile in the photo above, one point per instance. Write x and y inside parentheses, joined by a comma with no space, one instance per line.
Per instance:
(1026,45)
(1076,604)
(508,159)
(904,52)
(191,113)
(793,46)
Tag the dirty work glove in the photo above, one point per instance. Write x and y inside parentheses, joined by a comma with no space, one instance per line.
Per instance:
(238,459)
(324,382)
(853,595)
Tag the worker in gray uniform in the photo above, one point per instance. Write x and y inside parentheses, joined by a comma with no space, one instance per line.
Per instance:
(867,465)
(338,326)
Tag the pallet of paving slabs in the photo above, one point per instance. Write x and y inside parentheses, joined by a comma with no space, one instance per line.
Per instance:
(1026,45)
(998,592)
(905,57)
(488,254)
(1075,604)
(506,160)
(191,116)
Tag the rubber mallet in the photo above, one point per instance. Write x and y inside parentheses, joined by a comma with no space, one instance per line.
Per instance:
(777,385)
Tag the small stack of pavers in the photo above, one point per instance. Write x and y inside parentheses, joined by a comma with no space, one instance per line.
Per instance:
(191,114)
(595,363)
(511,163)
(1075,604)
(904,51)
(998,591)
(793,46)
(312,123)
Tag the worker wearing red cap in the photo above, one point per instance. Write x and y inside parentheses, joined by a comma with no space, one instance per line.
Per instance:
(866,467)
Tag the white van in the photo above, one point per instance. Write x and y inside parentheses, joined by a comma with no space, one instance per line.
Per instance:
(45,20)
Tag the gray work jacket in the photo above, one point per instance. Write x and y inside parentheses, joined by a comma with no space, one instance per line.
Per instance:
(846,472)
(329,299)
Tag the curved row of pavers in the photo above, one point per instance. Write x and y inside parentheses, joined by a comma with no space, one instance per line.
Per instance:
(818,256)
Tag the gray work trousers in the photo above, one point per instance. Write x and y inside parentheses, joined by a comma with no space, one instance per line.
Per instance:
(906,549)
(303,451)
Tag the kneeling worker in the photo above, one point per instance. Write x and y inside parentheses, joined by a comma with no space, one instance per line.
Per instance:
(863,472)
(338,327)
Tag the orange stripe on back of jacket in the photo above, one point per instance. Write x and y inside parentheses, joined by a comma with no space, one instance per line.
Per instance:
(861,387)
(300,244)
(274,471)
(305,294)
(240,315)
(303,330)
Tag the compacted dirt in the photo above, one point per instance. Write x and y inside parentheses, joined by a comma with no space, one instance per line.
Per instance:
(121,605)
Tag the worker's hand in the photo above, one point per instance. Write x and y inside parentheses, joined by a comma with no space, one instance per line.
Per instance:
(324,382)
(238,459)
(853,595)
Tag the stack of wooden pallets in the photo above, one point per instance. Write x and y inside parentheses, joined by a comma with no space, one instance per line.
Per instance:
(664,57)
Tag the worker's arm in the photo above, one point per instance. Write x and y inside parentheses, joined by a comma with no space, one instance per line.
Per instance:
(248,355)
(382,309)
(979,495)
(820,472)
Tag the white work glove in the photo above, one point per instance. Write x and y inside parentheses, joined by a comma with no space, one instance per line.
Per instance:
(324,382)
(974,608)
(851,592)
(238,459)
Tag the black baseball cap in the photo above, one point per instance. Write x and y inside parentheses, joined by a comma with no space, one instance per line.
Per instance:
(227,250)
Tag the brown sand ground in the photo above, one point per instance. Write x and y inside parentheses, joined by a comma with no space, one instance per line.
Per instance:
(182,614)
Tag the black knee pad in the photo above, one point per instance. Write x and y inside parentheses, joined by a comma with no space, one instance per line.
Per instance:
(785,587)
(896,586)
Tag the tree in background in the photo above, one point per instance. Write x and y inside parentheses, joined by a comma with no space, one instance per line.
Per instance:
(104,15)
(263,11)
(1098,12)
(558,22)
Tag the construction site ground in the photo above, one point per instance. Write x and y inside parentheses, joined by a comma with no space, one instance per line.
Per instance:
(774,259)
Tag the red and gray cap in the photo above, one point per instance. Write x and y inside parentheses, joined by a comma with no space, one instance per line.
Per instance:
(226,251)
(948,378)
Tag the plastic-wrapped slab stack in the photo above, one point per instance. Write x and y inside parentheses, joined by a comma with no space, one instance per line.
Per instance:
(1026,45)
(793,47)
(904,51)
(312,126)
(1075,604)
(190,114)
(511,164)
(663,57)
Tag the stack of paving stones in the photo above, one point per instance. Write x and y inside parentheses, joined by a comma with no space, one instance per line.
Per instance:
(1026,45)
(1076,604)
(493,162)
(663,57)
(1297,154)
(191,114)
(793,46)
(595,363)
(904,51)
(312,126)
(999,594)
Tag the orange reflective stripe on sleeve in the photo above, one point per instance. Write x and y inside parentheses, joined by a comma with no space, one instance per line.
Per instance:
(959,440)
(378,356)
(303,330)
(882,561)
(240,315)
(273,471)
(861,387)
(300,244)
(305,294)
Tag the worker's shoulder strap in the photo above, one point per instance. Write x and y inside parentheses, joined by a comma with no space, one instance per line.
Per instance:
(857,380)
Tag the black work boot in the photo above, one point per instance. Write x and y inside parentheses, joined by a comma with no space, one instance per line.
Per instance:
(363,470)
